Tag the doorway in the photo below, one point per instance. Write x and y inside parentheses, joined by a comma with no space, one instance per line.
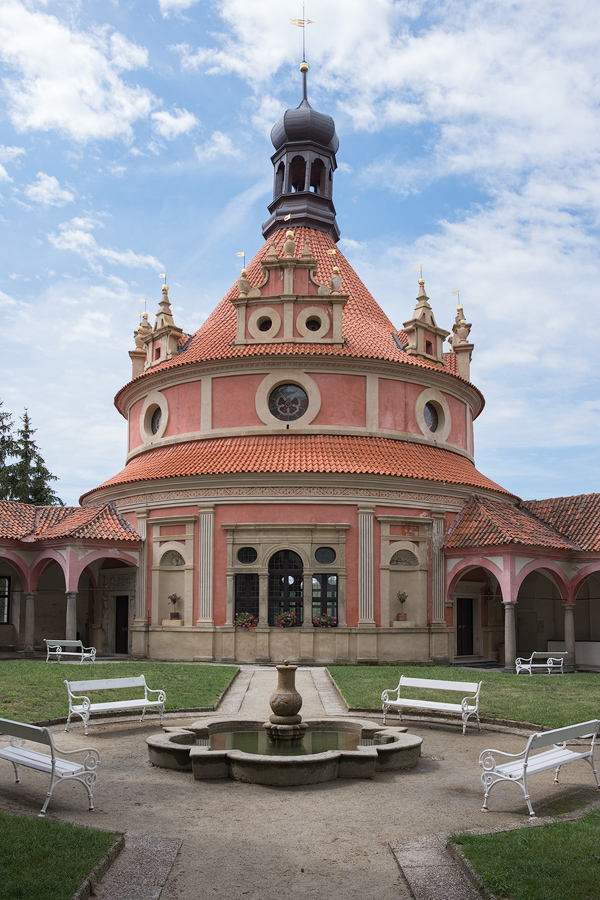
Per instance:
(122,623)
(464,626)
(285,585)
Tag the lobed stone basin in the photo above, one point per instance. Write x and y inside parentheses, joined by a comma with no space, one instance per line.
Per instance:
(383,749)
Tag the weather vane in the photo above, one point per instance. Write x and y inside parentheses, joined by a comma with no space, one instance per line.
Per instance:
(242,253)
(457,295)
(139,312)
(419,269)
(302,23)
(163,275)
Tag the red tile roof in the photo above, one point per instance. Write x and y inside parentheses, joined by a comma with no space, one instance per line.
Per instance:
(367,330)
(304,453)
(23,522)
(488,523)
(577,518)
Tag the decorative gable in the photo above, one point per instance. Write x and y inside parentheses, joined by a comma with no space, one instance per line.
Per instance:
(289,305)
(425,339)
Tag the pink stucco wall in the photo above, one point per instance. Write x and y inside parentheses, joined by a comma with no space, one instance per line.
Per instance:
(343,399)
(233,401)
(135,438)
(392,404)
(458,430)
(184,407)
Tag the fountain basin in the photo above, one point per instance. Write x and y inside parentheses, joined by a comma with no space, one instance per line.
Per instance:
(388,749)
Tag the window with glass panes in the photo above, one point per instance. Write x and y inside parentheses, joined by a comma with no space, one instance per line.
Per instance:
(4,598)
(324,595)
(246,593)
(285,585)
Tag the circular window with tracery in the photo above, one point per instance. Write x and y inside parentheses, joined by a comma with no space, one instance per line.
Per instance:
(288,402)
(156,420)
(430,414)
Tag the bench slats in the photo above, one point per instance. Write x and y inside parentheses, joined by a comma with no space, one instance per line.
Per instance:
(529,762)
(468,706)
(53,763)
(81,705)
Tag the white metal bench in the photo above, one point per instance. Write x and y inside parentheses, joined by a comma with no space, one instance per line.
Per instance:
(519,766)
(59,768)
(81,705)
(68,648)
(550,660)
(468,706)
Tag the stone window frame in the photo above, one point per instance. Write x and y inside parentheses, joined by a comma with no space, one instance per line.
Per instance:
(437,400)
(155,400)
(287,376)
(313,312)
(264,312)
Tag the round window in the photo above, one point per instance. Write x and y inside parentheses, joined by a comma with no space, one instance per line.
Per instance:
(155,420)
(288,402)
(325,555)
(313,324)
(430,414)
(265,324)
(247,555)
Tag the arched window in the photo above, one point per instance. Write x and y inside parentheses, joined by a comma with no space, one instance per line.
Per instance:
(404,558)
(285,585)
(317,177)
(279,176)
(298,173)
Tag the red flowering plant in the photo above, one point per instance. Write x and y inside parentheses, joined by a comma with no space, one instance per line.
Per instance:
(324,621)
(286,620)
(174,599)
(246,620)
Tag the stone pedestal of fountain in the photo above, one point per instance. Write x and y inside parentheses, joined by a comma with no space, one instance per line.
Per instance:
(285,724)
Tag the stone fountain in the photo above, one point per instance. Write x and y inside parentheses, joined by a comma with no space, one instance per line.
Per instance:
(284,723)
(285,750)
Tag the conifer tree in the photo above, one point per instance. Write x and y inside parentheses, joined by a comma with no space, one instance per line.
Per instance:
(28,479)
(7,449)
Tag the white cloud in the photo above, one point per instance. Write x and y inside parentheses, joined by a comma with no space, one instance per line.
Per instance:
(219,146)
(48,192)
(6,300)
(76,236)
(173,124)
(169,6)
(9,154)
(4,176)
(69,80)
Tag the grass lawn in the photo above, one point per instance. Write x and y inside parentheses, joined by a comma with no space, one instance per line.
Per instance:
(559,861)
(41,859)
(550,701)
(32,691)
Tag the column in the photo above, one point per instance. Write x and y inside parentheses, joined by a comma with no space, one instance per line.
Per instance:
(71,623)
(207,537)
(29,621)
(569,635)
(15,615)
(140,591)
(437,569)
(510,636)
(263,600)
(365,566)
(307,601)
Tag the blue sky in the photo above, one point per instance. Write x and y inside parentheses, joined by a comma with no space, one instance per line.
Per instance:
(134,140)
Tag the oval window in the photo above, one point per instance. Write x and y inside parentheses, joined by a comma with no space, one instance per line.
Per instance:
(288,402)
(247,555)
(155,420)
(325,555)
(430,414)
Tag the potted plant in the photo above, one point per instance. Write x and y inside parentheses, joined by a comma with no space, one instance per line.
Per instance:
(246,620)
(286,620)
(174,599)
(402,597)
(324,621)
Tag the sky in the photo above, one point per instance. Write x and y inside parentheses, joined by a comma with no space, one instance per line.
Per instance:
(134,140)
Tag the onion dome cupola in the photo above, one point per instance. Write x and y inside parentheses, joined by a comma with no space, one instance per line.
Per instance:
(304,161)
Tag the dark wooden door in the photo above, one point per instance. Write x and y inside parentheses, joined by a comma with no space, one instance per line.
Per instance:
(464,626)
(122,624)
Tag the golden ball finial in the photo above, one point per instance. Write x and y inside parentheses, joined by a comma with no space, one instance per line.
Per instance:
(336,270)
(304,67)
(421,281)
(290,235)
(165,289)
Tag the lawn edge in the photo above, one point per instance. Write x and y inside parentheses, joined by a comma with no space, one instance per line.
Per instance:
(87,886)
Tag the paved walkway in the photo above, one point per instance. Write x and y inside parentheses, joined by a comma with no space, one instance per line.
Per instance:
(349,839)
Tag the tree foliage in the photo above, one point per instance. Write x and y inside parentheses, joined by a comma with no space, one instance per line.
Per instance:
(23,473)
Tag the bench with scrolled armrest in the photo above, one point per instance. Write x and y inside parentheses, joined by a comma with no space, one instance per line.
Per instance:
(62,648)
(550,660)
(468,706)
(53,762)
(519,766)
(81,705)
